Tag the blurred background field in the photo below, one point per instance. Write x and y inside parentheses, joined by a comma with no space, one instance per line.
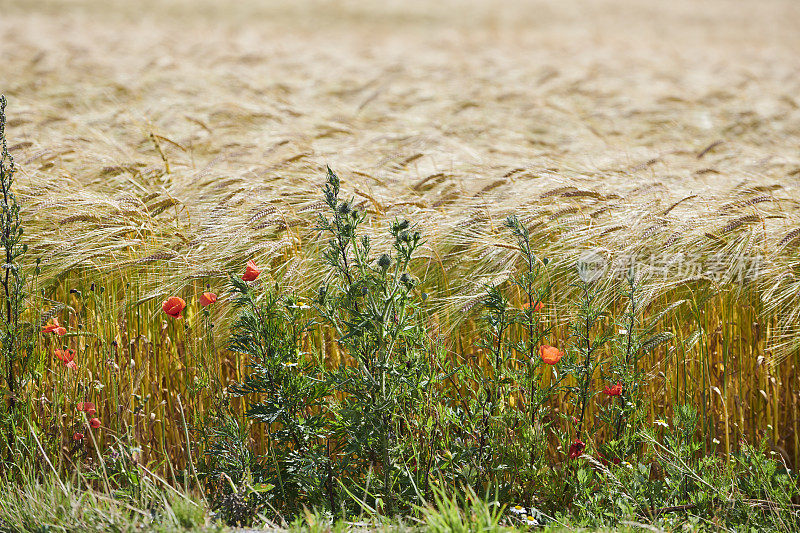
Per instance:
(162,144)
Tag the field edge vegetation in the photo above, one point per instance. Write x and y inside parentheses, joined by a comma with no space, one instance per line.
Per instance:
(352,402)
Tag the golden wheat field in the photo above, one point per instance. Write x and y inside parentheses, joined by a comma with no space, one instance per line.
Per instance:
(161,145)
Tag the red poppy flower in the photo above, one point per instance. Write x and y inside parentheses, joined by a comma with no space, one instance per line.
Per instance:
(95,423)
(72,365)
(207,298)
(174,306)
(550,354)
(251,272)
(54,327)
(537,306)
(616,390)
(49,328)
(87,407)
(66,356)
(77,436)
(576,449)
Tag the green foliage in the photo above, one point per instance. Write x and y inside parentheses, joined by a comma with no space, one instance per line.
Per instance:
(369,299)
(381,432)
(399,427)
(465,513)
(583,359)
(624,414)
(286,394)
(509,406)
(46,502)
(16,336)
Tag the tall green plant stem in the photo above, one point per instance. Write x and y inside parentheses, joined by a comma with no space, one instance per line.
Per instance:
(586,378)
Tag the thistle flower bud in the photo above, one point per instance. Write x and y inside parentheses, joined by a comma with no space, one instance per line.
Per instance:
(384,261)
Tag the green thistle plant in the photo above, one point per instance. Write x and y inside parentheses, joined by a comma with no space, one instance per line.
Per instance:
(371,304)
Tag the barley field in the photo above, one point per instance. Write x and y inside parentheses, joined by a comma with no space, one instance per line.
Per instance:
(162,144)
